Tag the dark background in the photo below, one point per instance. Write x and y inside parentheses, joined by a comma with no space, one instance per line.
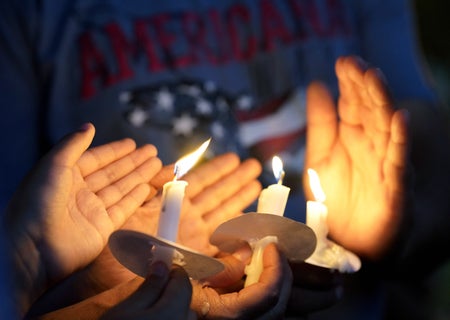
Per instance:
(433,23)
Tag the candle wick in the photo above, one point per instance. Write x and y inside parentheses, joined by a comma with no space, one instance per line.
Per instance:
(175,173)
(280,180)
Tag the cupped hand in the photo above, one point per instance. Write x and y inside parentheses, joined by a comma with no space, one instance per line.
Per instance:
(314,289)
(74,199)
(223,296)
(217,190)
(360,154)
(161,295)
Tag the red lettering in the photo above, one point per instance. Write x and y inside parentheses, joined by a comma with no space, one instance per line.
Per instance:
(195,35)
(299,18)
(273,27)
(144,39)
(337,22)
(219,38)
(120,47)
(239,24)
(165,38)
(94,70)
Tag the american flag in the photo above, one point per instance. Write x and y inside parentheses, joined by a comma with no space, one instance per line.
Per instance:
(191,109)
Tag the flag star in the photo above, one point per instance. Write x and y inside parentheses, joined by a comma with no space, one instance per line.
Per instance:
(210,86)
(184,125)
(222,104)
(190,90)
(164,99)
(137,117)
(244,102)
(217,130)
(125,97)
(203,107)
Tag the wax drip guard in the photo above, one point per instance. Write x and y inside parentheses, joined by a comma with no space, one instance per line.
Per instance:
(134,250)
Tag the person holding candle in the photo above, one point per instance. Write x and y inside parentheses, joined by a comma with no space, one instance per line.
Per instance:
(64,212)
(172,74)
(360,150)
(49,188)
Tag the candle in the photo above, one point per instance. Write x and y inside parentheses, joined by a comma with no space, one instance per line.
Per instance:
(172,199)
(272,200)
(327,253)
(317,211)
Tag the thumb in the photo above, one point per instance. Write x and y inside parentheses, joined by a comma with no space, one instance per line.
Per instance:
(70,148)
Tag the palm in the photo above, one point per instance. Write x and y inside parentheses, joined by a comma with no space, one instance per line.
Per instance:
(217,191)
(360,159)
(76,198)
(85,222)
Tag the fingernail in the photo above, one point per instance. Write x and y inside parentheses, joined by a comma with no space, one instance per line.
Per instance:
(84,127)
(159,269)
(243,254)
(381,75)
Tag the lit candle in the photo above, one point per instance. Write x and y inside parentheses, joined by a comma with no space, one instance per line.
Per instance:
(327,253)
(317,211)
(172,199)
(272,200)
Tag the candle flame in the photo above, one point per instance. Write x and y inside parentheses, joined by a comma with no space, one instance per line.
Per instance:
(184,164)
(316,188)
(277,167)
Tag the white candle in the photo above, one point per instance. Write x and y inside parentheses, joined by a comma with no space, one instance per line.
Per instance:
(172,200)
(272,200)
(327,253)
(316,211)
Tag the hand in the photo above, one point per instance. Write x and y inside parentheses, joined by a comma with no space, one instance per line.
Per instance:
(159,297)
(217,191)
(360,156)
(222,296)
(314,289)
(66,209)
(162,295)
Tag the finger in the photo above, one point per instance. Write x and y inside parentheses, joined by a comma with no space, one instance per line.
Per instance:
(286,284)
(176,296)
(378,125)
(227,186)
(142,174)
(233,206)
(100,156)
(350,73)
(210,172)
(271,292)
(321,120)
(164,175)
(70,148)
(149,291)
(124,208)
(232,273)
(116,170)
(396,155)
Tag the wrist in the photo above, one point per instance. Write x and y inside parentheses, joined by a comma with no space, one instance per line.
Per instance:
(29,274)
